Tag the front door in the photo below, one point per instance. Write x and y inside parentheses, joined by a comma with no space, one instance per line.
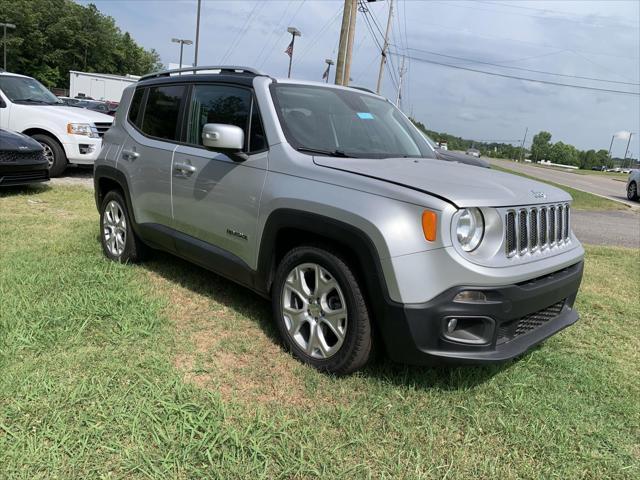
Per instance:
(216,199)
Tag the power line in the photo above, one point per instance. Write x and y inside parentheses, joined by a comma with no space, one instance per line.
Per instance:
(233,45)
(318,35)
(525,79)
(524,69)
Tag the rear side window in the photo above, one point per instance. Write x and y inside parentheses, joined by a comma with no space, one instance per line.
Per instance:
(134,108)
(162,110)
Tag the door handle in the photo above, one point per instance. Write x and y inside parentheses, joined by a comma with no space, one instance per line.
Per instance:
(130,155)
(184,168)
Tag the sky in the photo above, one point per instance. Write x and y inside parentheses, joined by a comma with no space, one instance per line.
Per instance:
(595,39)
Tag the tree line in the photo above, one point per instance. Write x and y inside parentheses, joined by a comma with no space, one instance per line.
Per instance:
(541,149)
(55,36)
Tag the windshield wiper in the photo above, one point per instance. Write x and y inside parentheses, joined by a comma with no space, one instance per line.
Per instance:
(330,153)
(33,100)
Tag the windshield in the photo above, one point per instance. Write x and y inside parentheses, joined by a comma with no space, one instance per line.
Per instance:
(343,123)
(26,90)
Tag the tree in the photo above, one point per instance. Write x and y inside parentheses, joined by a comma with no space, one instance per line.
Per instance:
(541,146)
(55,36)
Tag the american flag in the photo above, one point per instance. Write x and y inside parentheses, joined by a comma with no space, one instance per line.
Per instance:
(325,75)
(289,50)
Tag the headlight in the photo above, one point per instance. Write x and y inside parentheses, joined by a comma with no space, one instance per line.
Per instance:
(82,129)
(470,229)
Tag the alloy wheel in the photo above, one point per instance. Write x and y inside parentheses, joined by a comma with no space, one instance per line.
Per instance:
(48,154)
(632,191)
(314,310)
(114,228)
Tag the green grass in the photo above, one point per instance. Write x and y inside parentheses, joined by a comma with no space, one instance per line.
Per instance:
(581,200)
(163,370)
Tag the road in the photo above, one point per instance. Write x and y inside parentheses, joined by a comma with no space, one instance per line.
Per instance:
(596,184)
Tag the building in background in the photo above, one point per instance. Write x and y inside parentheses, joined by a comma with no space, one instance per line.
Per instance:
(99,86)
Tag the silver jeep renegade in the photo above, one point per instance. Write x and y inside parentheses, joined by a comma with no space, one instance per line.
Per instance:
(328,201)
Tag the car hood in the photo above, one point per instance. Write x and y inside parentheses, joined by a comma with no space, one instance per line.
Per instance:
(69,114)
(462,185)
(461,158)
(17,142)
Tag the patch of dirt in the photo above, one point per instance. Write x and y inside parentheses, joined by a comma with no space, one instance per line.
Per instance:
(225,351)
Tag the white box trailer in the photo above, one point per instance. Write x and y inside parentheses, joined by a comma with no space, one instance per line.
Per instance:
(99,86)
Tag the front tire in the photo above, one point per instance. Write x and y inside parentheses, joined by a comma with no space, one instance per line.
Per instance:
(119,241)
(632,191)
(320,311)
(53,152)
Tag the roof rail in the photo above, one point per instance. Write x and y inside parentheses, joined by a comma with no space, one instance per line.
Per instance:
(364,89)
(221,68)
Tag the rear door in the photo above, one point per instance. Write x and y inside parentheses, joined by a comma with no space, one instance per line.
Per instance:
(146,154)
(216,199)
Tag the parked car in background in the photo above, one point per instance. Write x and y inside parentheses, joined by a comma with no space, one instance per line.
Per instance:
(474,152)
(599,169)
(108,108)
(633,183)
(22,160)
(450,156)
(68,135)
(328,201)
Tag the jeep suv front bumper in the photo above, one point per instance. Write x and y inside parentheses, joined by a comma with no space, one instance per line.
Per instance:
(511,320)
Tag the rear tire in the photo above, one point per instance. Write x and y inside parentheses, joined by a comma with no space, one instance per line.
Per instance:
(119,241)
(53,152)
(320,311)
(632,191)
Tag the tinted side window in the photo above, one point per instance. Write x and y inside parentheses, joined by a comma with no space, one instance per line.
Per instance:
(257,138)
(134,108)
(217,104)
(162,110)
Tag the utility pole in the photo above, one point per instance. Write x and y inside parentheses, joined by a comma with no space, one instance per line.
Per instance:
(611,144)
(182,43)
(195,56)
(4,41)
(385,47)
(624,159)
(352,31)
(344,39)
(522,147)
(401,72)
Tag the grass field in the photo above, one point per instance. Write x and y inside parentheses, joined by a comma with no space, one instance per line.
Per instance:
(163,370)
(581,200)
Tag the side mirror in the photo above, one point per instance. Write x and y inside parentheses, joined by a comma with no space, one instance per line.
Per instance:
(227,139)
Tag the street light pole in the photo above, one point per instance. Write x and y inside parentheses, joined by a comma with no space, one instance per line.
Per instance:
(624,159)
(611,144)
(4,41)
(182,42)
(195,57)
(329,62)
(294,33)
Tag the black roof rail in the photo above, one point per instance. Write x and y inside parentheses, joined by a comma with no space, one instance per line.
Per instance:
(364,89)
(220,68)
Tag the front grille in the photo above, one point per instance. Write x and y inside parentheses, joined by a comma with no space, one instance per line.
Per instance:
(14,157)
(513,329)
(102,127)
(534,229)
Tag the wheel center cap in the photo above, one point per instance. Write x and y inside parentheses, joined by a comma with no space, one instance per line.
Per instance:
(315,310)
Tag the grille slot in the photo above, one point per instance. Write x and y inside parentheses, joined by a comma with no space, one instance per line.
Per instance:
(536,229)
(533,230)
(510,239)
(521,326)
(523,234)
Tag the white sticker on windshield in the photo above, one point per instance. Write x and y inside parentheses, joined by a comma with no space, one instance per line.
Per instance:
(365,115)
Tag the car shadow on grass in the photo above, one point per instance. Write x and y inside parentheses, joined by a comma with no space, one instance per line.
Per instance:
(244,302)
(25,190)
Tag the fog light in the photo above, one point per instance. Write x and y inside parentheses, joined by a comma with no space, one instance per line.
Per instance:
(451,325)
(85,148)
(470,296)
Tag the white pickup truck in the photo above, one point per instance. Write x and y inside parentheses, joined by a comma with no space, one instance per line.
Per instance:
(69,135)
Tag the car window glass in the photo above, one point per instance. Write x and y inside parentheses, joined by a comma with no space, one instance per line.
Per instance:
(134,108)
(217,104)
(257,140)
(161,112)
